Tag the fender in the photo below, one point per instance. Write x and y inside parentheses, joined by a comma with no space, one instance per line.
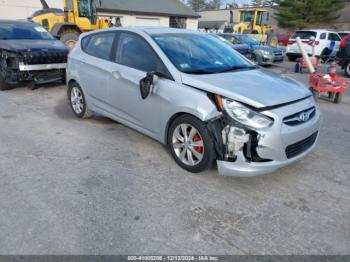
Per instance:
(57,28)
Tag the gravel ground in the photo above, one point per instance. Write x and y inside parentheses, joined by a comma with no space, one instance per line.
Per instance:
(71,186)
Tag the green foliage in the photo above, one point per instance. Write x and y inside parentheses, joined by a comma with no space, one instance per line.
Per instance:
(201,5)
(259,3)
(299,14)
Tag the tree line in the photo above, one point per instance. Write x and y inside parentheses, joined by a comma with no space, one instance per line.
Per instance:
(292,14)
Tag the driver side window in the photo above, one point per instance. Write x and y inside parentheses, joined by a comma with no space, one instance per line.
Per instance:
(135,52)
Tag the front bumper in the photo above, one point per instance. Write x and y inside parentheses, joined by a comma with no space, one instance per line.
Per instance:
(41,67)
(274,142)
(269,59)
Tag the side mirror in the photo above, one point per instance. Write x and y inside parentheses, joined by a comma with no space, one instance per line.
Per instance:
(146,85)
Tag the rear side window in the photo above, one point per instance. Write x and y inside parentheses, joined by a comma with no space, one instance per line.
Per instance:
(99,45)
(304,34)
(333,37)
(134,52)
(323,36)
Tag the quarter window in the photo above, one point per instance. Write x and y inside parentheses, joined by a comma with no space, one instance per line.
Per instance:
(323,36)
(99,45)
(134,52)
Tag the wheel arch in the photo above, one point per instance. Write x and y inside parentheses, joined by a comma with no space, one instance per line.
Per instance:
(197,115)
(59,28)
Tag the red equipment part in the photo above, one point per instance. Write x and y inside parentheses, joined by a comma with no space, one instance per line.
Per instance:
(335,86)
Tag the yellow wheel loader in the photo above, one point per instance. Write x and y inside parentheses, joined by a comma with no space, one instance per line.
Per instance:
(77,16)
(252,21)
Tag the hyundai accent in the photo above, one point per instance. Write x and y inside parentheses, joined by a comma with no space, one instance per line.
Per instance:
(192,92)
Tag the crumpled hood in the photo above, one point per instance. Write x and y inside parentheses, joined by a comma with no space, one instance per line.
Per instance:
(32,45)
(258,88)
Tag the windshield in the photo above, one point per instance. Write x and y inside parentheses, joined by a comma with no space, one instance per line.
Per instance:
(248,39)
(87,8)
(23,31)
(201,54)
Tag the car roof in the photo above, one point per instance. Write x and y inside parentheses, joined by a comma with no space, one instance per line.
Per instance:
(16,22)
(316,30)
(148,30)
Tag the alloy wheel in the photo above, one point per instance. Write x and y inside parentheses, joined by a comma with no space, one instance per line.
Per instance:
(77,100)
(188,144)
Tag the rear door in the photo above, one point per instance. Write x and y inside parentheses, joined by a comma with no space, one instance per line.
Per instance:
(95,70)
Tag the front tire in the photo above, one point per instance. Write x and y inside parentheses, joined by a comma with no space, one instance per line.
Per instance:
(69,38)
(3,85)
(347,69)
(190,144)
(77,101)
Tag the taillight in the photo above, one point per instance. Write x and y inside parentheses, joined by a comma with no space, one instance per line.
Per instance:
(343,41)
(291,42)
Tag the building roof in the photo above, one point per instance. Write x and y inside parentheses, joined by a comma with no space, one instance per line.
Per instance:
(147,7)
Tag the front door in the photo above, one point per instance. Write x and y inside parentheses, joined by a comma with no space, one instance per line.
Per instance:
(133,59)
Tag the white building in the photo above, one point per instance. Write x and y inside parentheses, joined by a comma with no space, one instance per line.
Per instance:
(22,9)
(168,13)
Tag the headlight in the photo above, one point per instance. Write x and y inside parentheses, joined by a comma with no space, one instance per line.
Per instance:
(244,115)
(265,52)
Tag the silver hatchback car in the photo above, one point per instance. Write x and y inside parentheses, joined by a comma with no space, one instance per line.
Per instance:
(195,94)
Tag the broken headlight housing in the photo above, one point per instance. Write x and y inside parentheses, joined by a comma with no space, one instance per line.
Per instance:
(245,115)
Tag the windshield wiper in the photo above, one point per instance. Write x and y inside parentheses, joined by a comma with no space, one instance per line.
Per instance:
(199,72)
(236,68)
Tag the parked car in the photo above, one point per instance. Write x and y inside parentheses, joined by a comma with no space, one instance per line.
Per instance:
(243,49)
(262,54)
(29,54)
(326,45)
(343,56)
(342,34)
(195,94)
(284,38)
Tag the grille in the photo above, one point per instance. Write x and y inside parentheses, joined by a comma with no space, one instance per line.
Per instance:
(295,119)
(301,146)
(37,58)
(278,53)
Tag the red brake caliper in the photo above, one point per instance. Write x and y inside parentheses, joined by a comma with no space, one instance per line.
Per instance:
(198,149)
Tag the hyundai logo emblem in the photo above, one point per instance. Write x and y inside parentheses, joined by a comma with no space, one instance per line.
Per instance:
(305,116)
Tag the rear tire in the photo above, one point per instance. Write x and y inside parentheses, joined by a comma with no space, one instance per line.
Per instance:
(292,58)
(193,150)
(77,101)
(325,55)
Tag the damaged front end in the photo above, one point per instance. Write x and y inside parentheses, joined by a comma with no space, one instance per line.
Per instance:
(233,140)
(32,68)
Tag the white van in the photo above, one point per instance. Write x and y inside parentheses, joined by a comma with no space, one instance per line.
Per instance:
(327,43)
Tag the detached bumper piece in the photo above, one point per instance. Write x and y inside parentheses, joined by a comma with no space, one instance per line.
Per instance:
(23,67)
